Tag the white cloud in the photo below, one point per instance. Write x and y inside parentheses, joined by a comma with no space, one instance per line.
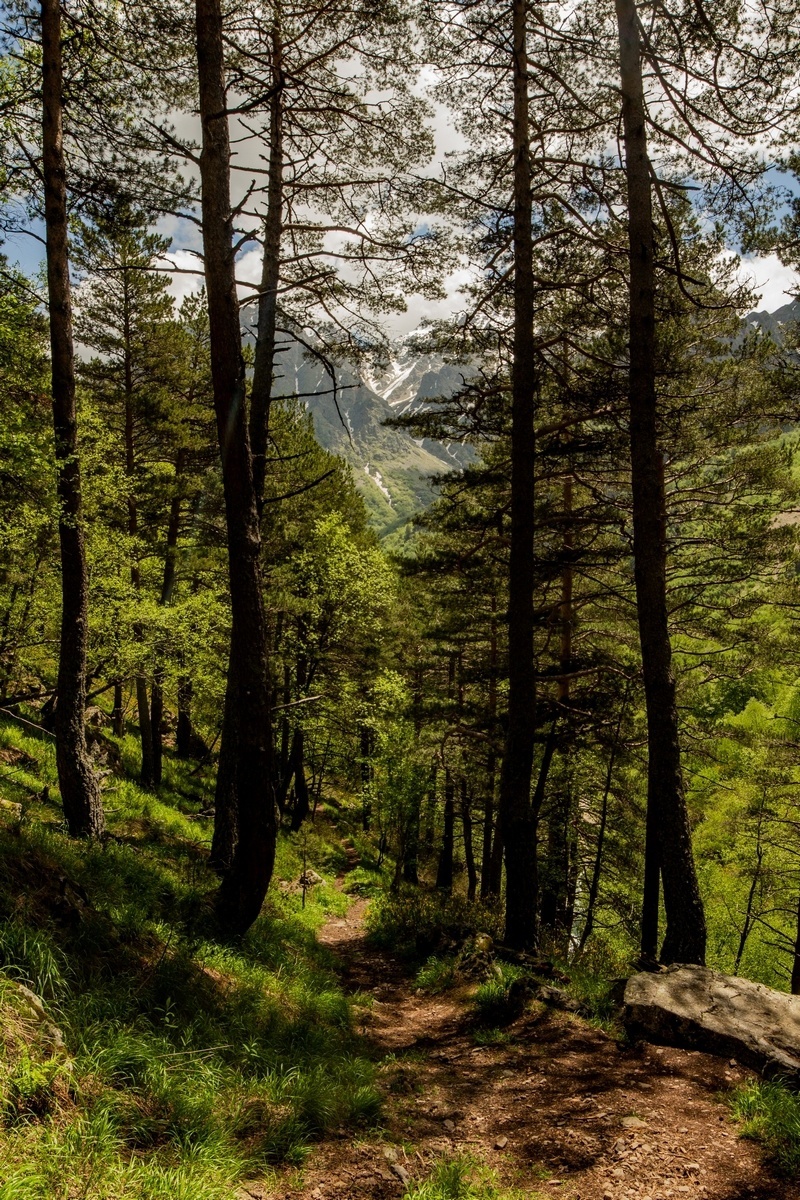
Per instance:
(775,283)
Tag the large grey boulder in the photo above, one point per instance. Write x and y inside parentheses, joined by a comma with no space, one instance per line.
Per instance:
(706,1010)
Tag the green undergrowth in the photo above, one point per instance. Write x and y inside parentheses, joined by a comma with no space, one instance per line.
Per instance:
(415,922)
(462,1178)
(770,1115)
(188,1064)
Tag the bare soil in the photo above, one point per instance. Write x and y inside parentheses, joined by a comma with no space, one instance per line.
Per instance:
(559,1110)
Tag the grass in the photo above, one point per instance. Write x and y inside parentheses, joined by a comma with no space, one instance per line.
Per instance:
(437,975)
(460,1178)
(497,1001)
(190,1064)
(770,1113)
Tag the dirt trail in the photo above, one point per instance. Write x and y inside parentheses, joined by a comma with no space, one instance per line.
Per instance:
(560,1110)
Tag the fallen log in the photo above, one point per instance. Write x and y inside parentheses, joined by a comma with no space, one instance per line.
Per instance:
(700,1009)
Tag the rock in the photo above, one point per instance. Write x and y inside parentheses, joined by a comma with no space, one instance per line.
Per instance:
(557,998)
(633,1123)
(501,1143)
(401,1173)
(450,1126)
(309,879)
(701,1009)
(34,1008)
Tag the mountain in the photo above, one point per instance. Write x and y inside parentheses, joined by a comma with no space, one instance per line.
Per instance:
(773,323)
(392,469)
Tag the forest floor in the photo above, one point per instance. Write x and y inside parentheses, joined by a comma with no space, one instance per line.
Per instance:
(558,1108)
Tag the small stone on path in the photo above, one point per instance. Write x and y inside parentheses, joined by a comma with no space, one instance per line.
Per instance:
(501,1143)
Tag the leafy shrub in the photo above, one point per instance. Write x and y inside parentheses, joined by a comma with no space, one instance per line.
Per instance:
(30,1094)
(414,923)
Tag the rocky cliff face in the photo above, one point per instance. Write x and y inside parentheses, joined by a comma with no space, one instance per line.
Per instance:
(392,469)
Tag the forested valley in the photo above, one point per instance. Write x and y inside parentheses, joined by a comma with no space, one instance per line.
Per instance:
(399,559)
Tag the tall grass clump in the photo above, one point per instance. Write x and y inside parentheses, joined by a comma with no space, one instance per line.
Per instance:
(770,1113)
(460,1178)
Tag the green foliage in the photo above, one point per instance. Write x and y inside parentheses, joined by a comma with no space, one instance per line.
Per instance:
(413,922)
(770,1112)
(497,1000)
(190,1063)
(437,975)
(461,1178)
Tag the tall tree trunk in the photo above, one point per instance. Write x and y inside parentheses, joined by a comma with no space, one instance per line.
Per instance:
(796,959)
(245,883)
(594,884)
(226,814)
(301,802)
(515,813)
(118,711)
(491,761)
(80,791)
(184,733)
(555,901)
(444,872)
(365,736)
(142,702)
(469,853)
(264,362)
(167,589)
(668,835)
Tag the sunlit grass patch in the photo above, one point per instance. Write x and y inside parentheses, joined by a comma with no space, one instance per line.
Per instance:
(460,1178)
(770,1115)
(190,1063)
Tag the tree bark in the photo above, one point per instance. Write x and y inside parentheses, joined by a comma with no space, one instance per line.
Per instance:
(668,835)
(301,802)
(184,733)
(594,885)
(444,872)
(80,791)
(118,711)
(167,589)
(515,813)
(142,702)
(245,883)
(264,362)
(555,902)
(469,852)
(795,985)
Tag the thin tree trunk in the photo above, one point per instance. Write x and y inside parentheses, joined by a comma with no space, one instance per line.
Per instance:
(142,702)
(491,762)
(668,835)
(365,735)
(751,895)
(555,903)
(264,362)
(444,873)
(796,960)
(301,801)
(594,886)
(244,884)
(469,853)
(80,791)
(226,816)
(118,711)
(515,812)
(167,589)
(184,734)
